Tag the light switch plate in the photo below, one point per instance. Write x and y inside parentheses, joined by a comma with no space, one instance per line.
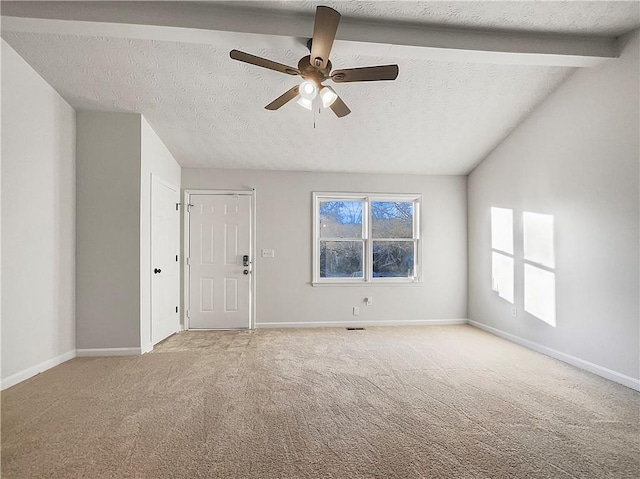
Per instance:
(268,253)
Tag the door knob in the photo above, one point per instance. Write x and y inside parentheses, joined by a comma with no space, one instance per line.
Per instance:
(157,270)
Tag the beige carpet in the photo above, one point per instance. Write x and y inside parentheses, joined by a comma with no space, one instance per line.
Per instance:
(419,402)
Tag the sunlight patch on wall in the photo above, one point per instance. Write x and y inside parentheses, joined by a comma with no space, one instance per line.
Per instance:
(502,275)
(539,277)
(502,229)
(538,239)
(502,265)
(540,293)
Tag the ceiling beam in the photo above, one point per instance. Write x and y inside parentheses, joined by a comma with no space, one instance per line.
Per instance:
(198,21)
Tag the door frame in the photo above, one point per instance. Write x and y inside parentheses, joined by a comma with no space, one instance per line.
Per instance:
(185,249)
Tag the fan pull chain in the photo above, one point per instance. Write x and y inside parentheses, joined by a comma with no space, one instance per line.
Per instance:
(314,116)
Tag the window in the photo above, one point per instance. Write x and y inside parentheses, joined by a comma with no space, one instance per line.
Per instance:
(502,254)
(539,274)
(362,238)
(341,238)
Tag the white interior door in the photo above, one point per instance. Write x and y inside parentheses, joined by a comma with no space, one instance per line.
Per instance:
(165,268)
(219,261)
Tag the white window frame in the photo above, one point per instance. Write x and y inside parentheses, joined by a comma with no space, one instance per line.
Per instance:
(367,279)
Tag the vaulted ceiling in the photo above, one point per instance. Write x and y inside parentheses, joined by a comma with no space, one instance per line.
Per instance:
(470,72)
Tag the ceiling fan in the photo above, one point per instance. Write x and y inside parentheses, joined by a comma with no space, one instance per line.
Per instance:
(316,68)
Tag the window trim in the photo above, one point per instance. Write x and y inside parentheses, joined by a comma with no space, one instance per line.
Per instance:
(367,237)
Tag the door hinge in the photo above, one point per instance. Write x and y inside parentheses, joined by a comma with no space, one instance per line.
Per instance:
(188,261)
(188,314)
(178,205)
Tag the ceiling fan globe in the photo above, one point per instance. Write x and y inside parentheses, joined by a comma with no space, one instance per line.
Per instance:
(308,90)
(328,96)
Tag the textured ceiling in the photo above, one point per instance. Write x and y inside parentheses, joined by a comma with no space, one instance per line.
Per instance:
(436,118)
(575,17)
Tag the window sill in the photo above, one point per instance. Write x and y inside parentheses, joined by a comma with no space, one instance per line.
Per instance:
(376,284)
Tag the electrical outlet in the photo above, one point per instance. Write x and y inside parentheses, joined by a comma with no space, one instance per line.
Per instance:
(514,312)
(368,301)
(356,311)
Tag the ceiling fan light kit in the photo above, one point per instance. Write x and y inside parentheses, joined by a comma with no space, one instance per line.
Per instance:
(314,72)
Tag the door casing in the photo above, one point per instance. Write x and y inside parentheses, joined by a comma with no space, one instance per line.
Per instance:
(185,250)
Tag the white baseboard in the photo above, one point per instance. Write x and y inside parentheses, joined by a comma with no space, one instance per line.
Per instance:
(146,348)
(606,373)
(360,324)
(50,363)
(107,352)
(37,369)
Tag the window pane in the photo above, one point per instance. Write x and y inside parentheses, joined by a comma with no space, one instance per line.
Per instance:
(341,219)
(540,293)
(502,275)
(538,238)
(502,229)
(341,259)
(392,219)
(393,259)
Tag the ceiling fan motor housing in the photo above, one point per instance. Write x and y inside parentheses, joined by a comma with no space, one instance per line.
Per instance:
(313,73)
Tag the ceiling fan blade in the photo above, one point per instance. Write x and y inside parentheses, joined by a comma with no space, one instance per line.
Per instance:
(262,62)
(324,32)
(339,108)
(284,98)
(383,72)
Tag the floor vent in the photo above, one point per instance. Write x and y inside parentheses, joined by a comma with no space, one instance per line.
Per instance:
(355,329)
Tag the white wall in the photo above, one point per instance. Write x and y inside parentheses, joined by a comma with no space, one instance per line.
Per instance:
(1,48)
(156,161)
(38,222)
(577,158)
(108,230)
(284,223)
